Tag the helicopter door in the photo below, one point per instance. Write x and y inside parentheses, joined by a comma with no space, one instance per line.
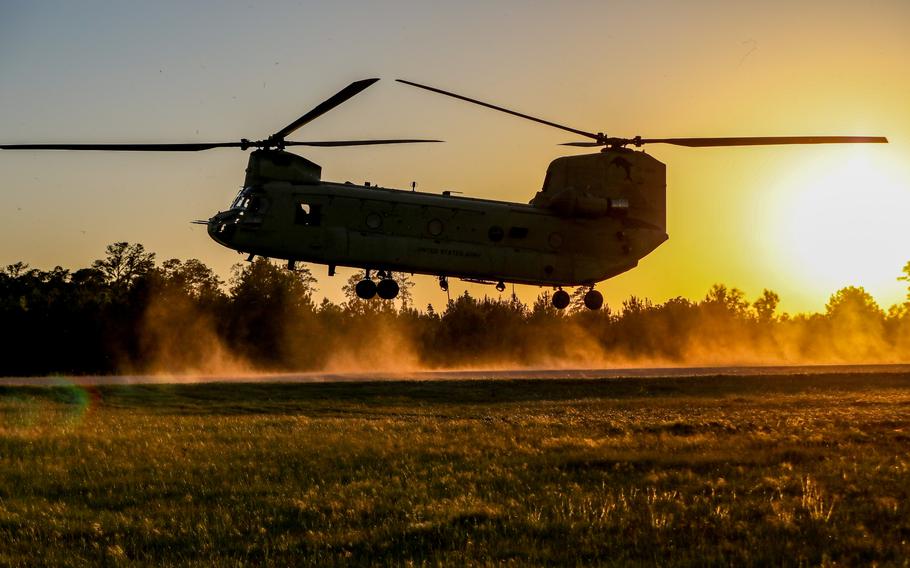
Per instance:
(309,222)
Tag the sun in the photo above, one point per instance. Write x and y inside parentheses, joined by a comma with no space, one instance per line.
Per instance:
(842,219)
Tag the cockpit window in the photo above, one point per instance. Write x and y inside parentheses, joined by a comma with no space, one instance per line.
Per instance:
(248,200)
(240,201)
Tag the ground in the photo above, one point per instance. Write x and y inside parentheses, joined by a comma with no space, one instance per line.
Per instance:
(709,470)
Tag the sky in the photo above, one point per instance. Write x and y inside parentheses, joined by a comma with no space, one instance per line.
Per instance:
(802,221)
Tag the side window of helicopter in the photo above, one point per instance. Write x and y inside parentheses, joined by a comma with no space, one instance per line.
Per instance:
(309,214)
(518,232)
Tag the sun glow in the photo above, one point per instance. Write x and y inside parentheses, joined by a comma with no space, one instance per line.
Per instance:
(843,220)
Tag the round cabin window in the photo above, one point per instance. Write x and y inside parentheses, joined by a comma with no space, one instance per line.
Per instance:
(495,233)
(434,227)
(374,221)
(555,240)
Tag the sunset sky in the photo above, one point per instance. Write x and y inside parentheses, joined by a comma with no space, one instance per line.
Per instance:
(803,221)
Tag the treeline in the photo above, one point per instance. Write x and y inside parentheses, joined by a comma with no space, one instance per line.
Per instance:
(128,314)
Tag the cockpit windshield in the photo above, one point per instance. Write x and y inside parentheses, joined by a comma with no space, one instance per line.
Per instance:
(249,200)
(243,199)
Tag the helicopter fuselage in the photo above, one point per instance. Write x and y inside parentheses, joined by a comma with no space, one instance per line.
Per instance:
(368,227)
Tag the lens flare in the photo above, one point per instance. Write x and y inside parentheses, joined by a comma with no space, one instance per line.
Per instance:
(78,400)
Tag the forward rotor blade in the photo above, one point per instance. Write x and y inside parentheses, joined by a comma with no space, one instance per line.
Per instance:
(582,144)
(334,143)
(193,147)
(501,109)
(324,107)
(761,140)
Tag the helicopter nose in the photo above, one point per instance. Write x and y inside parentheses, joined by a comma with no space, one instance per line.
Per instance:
(221,227)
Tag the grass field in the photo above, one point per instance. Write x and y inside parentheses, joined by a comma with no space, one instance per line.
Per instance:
(782,470)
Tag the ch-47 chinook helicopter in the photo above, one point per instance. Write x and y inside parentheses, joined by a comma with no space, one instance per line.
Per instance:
(595,217)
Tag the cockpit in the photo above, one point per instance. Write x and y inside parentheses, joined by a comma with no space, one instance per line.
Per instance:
(248,200)
(242,201)
(245,209)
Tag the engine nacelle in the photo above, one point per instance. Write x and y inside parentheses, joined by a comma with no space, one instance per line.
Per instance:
(573,203)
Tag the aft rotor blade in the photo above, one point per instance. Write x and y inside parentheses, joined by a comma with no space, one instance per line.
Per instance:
(762,140)
(505,110)
(324,107)
(334,143)
(192,147)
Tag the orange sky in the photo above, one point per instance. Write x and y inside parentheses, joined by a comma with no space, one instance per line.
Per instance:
(803,221)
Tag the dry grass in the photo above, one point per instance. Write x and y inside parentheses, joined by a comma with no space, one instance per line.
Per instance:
(803,470)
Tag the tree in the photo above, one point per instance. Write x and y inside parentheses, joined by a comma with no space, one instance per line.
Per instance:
(853,302)
(124,263)
(577,302)
(263,284)
(856,326)
(766,305)
(191,277)
(90,287)
(270,306)
(732,300)
(906,277)
(543,310)
(18,269)
(635,305)
(405,285)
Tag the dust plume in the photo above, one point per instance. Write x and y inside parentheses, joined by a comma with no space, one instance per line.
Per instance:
(177,338)
(127,315)
(506,334)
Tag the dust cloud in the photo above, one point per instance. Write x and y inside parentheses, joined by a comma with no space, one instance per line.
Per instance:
(180,341)
(127,315)
(176,338)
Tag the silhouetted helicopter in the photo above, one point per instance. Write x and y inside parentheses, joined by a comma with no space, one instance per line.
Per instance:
(595,217)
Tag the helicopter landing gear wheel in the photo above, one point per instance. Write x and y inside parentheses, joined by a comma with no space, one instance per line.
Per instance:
(594,300)
(387,289)
(365,289)
(560,299)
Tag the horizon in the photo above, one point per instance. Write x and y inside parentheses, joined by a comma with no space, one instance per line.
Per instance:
(481,292)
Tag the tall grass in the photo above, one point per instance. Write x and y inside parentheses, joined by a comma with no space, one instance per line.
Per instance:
(722,470)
